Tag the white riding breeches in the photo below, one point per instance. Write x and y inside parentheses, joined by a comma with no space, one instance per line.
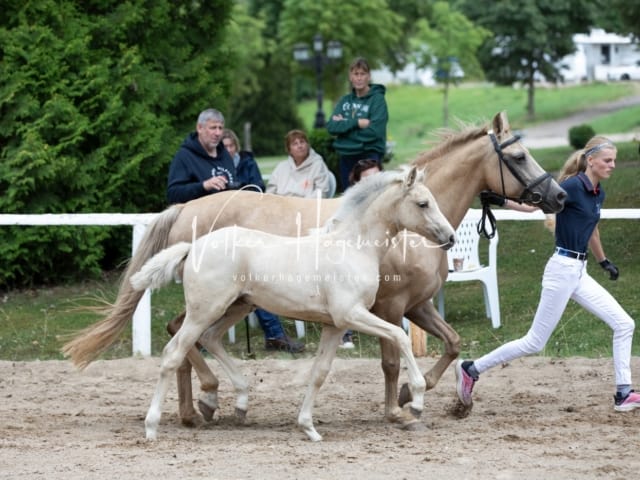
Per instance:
(567,278)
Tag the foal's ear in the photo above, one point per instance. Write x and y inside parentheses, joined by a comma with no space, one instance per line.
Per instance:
(410,178)
(501,123)
(413,176)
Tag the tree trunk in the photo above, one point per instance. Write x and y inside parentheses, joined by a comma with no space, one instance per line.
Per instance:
(531,89)
(445,105)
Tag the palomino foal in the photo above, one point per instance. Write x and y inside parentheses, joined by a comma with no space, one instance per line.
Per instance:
(331,278)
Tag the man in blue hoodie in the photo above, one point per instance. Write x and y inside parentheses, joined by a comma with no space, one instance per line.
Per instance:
(202,165)
(359,121)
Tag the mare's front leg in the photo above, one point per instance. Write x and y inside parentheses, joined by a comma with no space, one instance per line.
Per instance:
(390,363)
(329,340)
(208,382)
(426,316)
(362,320)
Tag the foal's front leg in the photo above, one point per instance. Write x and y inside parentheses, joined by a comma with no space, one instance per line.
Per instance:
(172,357)
(329,340)
(362,320)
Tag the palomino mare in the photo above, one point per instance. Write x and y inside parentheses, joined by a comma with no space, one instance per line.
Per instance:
(459,167)
(328,277)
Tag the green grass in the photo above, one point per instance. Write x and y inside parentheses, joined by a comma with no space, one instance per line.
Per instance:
(34,323)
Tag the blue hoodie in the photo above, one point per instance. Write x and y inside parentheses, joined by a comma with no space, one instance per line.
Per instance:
(192,165)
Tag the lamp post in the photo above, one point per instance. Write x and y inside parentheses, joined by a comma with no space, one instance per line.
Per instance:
(302,54)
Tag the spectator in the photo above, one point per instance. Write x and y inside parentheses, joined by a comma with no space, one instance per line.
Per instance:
(359,121)
(247,170)
(364,168)
(303,173)
(202,165)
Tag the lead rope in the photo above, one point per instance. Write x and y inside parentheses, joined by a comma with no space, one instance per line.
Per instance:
(482,223)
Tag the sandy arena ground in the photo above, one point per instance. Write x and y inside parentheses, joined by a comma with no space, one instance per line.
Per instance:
(536,418)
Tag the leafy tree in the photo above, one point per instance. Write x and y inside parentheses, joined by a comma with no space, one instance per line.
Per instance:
(530,38)
(619,16)
(262,94)
(365,28)
(95,97)
(449,42)
(411,12)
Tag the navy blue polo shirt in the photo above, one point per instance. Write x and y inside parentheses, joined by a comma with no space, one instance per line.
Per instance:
(581,213)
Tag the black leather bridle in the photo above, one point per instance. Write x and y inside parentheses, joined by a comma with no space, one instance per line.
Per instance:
(528,194)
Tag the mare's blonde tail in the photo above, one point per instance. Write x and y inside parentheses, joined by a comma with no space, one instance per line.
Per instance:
(90,342)
(162,268)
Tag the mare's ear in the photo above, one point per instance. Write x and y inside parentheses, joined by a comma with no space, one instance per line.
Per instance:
(500,123)
(410,177)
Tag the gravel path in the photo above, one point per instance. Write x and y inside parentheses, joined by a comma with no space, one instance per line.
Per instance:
(556,133)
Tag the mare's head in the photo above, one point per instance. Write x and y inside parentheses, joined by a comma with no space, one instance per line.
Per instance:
(500,163)
(401,198)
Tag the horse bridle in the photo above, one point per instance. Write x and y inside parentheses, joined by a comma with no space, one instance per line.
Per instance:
(528,194)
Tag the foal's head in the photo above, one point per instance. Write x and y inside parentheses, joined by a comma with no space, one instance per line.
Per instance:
(401,199)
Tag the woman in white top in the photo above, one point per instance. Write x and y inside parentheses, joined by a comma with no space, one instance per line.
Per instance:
(302,173)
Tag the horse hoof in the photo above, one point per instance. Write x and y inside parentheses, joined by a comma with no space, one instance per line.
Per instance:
(189,422)
(405,395)
(395,415)
(416,413)
(414,426)
(313,435)
(241,416)
(459,409)
(206,411)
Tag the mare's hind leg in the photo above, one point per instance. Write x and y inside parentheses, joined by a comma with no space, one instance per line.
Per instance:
(329,340)
(208,382)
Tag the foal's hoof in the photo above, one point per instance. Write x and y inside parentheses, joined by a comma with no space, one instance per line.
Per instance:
(415,413)
(405,395)
(413,426)
(241,416)
(206,411)
(459,409)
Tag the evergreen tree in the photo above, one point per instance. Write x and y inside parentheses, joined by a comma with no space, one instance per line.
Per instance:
(95,98)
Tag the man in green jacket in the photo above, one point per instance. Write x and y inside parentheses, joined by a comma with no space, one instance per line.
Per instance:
(359,121)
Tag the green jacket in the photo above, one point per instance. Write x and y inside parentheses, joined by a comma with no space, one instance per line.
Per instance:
(351,140)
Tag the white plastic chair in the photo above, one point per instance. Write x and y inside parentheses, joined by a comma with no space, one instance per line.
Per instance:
(466,247)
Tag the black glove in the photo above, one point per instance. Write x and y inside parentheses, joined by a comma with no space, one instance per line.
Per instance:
(611,268)
(487,196)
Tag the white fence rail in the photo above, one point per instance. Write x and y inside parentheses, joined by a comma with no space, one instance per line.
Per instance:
(139,221)
(142,316)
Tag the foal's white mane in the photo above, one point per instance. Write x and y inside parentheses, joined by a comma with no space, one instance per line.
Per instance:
(358,197)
